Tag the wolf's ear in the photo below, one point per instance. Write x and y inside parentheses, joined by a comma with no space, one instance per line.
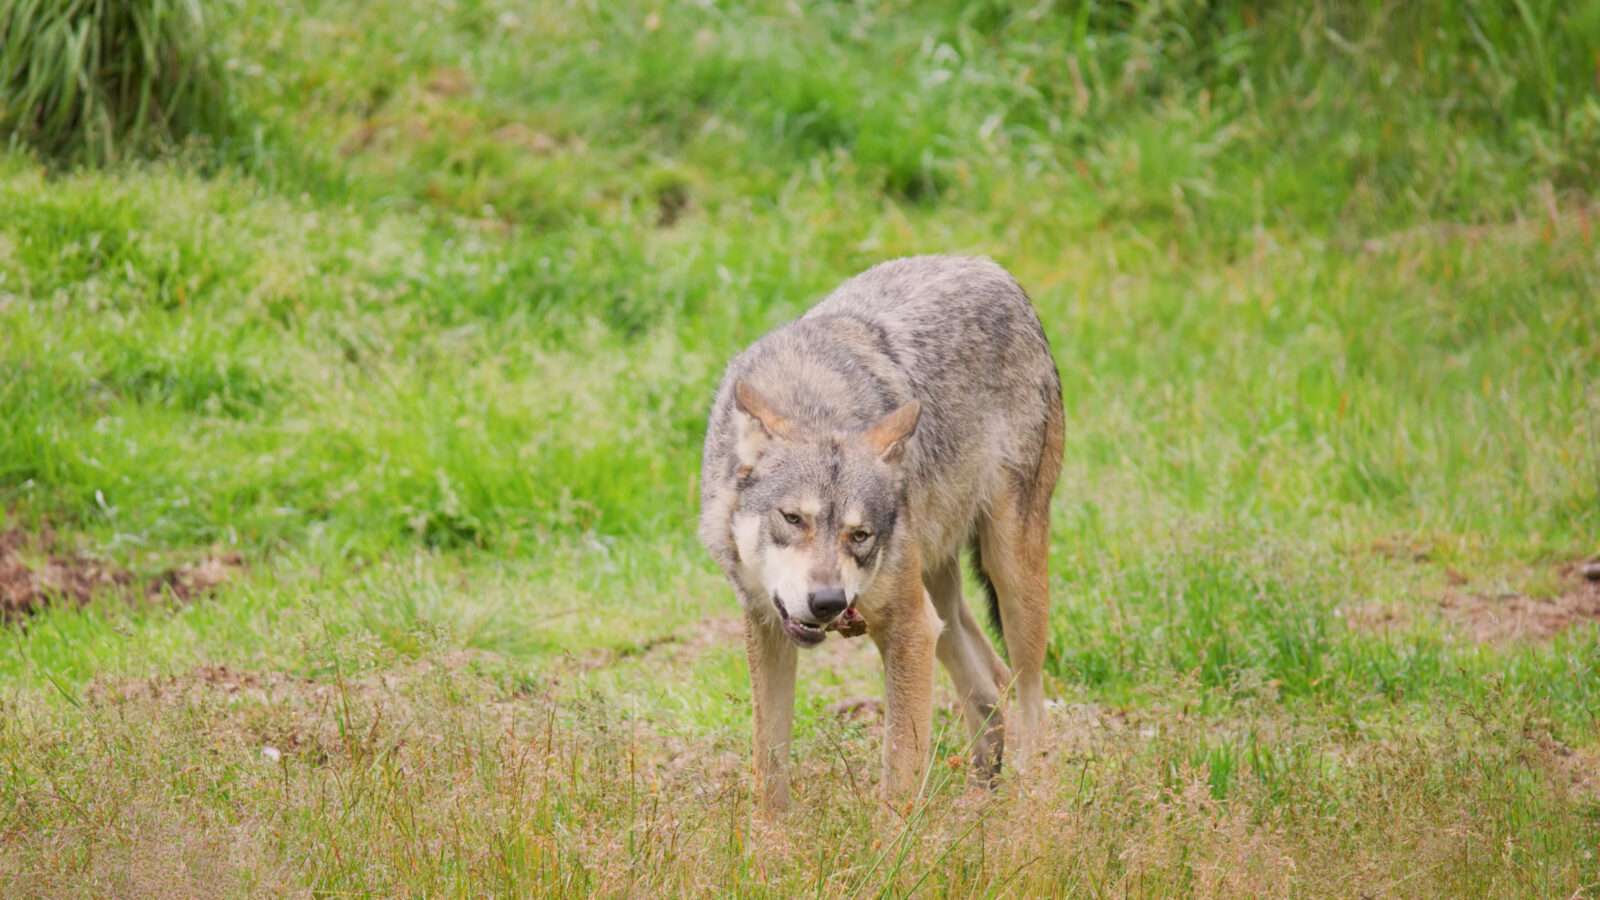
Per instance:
(758,425)
(887,436)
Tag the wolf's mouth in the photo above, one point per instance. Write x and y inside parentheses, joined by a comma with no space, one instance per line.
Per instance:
(799,632)
(803,634)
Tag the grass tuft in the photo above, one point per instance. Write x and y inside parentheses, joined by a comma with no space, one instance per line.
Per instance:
(99,80)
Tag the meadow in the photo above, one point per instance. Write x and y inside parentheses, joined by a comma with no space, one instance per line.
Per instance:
(348,450)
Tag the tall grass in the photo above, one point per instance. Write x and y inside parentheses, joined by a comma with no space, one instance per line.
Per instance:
(98,80)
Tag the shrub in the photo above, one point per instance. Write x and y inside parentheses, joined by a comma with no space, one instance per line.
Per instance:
(98,80)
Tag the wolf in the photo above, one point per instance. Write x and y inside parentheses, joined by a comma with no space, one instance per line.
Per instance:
(850,457)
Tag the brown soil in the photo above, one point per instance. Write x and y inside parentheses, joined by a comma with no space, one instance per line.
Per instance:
(205,679)
(449,82)
(1375,617)
(195,579)
(524,138)
(35,571)
(857,709)
(1517,617)
(686,643)
(25,588)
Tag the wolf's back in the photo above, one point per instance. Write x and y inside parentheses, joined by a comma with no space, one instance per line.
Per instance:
(957,334)
(969,341)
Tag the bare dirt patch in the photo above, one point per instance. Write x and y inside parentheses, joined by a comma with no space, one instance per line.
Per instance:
(1581,767)
(522,137)
(35,571)
(449,82)
(195,579)
(27,586)
(857,709)
(1503,617)
(1375,617)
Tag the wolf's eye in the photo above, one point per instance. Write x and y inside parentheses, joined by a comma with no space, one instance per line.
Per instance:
(860,536)
(791,518)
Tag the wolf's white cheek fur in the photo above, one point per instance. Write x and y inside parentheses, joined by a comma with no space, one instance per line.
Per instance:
(783,572)
(747,539)
(746,530)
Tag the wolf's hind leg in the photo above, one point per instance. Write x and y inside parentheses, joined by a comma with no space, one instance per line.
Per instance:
(1013,552)
(1014,547)
(973,668)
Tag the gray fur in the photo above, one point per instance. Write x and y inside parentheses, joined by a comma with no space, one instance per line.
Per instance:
(955,333)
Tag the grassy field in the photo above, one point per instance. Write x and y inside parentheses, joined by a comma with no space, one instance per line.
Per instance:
(374,422)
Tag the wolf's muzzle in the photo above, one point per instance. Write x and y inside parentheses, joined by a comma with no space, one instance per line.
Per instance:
(826,604)
(803,633)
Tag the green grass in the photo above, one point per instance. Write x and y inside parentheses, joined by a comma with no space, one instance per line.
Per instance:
(430,340)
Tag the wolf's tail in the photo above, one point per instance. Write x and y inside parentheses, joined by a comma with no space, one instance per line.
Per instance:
(989,594)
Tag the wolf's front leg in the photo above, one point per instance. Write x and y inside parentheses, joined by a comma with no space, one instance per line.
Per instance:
(772,665)
(906,639)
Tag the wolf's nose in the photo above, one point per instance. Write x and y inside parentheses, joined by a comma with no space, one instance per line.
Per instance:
(826,604)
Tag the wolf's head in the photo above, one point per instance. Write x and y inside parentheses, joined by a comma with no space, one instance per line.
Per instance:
(815,513)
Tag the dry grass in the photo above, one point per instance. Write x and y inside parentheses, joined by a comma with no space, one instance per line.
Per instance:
(440,778)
